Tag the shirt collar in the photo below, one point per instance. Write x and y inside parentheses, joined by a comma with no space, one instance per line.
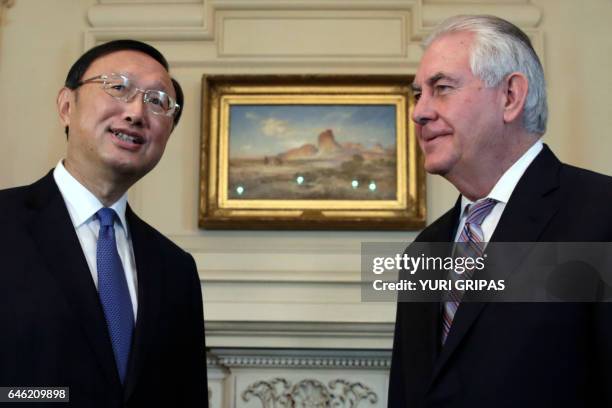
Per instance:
(504,187)
(82,203)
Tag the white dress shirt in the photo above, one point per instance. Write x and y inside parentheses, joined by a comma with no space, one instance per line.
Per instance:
(82,206)
(501,192)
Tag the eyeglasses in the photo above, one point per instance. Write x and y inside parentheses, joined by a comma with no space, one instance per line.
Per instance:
(122,88)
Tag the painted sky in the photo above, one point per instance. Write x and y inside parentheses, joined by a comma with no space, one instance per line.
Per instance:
(258,130)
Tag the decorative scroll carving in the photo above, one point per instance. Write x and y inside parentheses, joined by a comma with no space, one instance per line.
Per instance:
(351,394)
(309,393)
(271,394)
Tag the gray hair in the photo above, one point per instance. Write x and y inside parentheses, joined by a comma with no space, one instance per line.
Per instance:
(499,49)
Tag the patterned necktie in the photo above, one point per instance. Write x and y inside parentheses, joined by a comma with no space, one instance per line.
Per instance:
(469,245)
(113,291)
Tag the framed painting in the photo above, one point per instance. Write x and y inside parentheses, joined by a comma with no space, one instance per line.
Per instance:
(309,152)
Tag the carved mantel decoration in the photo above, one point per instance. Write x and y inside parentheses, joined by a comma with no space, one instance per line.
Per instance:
(309,393)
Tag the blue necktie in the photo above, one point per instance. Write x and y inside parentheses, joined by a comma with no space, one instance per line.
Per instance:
(113,291)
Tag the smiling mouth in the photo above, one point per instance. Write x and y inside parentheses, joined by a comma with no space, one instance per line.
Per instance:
(124,137)
(434,137)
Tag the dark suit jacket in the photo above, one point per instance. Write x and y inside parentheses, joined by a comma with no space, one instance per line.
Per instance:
(53,327)
(515,354)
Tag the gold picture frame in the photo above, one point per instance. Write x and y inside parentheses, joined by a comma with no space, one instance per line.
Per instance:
(310,152)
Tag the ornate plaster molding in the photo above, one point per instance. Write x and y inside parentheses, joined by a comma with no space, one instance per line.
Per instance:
(310,393)
(297,359)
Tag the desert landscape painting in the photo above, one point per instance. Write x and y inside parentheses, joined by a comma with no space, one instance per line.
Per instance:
(312,152)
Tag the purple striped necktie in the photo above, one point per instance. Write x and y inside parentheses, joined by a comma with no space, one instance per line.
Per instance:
(469,245)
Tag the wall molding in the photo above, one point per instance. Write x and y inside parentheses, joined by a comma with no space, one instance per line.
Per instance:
(298,359)
(289,328)
(427,15)
(325,260)
(374,23)
(147,15)
(287,334)
(204,23)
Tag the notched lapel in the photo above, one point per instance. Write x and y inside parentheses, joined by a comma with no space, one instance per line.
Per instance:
(533,203)
(149,268)
(53,233)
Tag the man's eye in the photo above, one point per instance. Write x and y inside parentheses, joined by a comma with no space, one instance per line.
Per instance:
(117,87)
(156,101)
(156,98)
(438,89)
(417,96)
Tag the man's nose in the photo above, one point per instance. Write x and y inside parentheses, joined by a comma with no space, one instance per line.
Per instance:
(423,111)
(136,109)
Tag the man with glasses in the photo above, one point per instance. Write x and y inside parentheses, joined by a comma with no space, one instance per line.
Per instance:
(94,298)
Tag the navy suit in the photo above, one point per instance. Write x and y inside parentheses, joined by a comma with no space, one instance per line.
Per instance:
(53,327)
(515,354)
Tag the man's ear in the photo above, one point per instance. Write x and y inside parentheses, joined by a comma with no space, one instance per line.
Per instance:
(516,86)
(65,100)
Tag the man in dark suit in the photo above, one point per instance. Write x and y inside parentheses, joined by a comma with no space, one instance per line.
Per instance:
(94,298)
(479,115)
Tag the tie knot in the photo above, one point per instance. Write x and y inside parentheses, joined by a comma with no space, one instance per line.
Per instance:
(106,216)
(477,212)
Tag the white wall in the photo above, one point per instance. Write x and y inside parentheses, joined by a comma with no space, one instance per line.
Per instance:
(578,57)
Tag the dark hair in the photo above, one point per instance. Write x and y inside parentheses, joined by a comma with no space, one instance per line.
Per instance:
(76,72)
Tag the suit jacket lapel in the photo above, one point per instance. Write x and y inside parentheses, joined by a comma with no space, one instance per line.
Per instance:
(149,266)
(533,203)
(439,233)
(53,233)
